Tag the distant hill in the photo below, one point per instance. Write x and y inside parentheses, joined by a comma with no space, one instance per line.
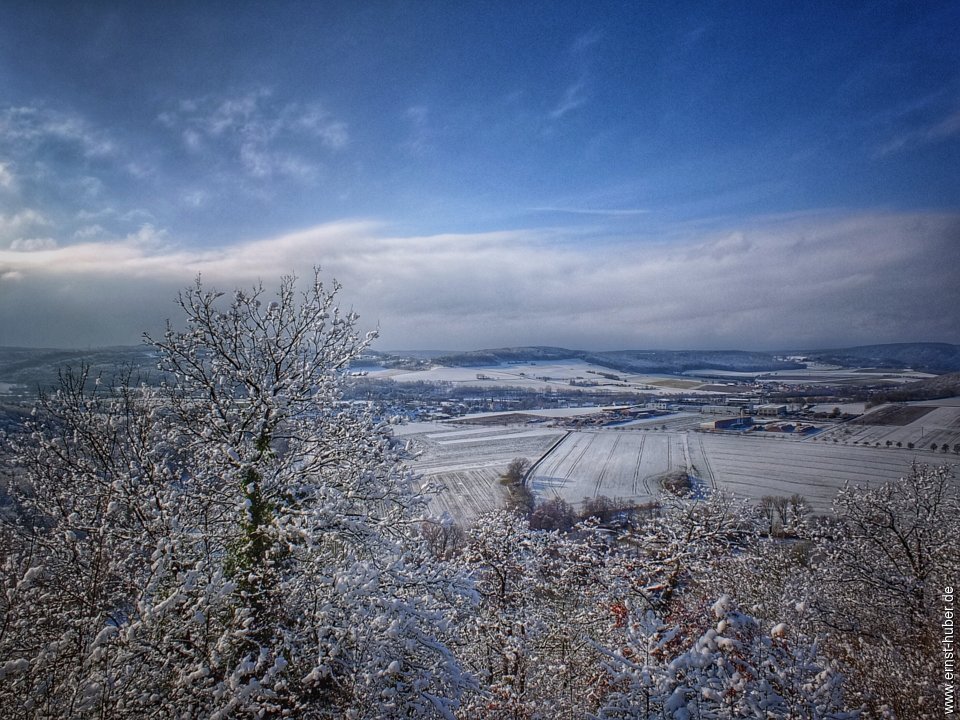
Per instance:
(28,368)
(934,358)
(943,386)
(40,367)
(501,355)
(634,361)
(680,361)
(925,357)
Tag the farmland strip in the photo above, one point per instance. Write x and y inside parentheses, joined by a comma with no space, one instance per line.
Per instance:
(636,470)
(573,467)
(536,465)
(606,464)
(712,479)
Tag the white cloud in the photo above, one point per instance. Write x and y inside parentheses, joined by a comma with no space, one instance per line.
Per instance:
(947,127)
(606,212)
(90,186)
(257,133)
(89,231)
(6,177)
(196,198)
(147,236)
(33,244)
(586,40)
(782,282)
(38,125)
(138,215)
(139,170)
(419,137)
(313,120)
(24,221)
(192,139)
(573,97)
(85,215)
(943,129)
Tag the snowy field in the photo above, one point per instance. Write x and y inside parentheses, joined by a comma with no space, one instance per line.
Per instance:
(468,462)
(922,423)
(630,460)
(754,466)
(615,464)
(817,373)
(542,375)
(628,465)
(852,408)
(842,376)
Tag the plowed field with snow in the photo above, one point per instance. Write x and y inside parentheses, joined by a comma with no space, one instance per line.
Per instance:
(468,462)
(627,465)
(628,461)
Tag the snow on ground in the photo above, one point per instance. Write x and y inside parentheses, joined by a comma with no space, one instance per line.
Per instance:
(548,413)
(673,421)
(943,402)
(614,464)
(826,374)
(543,432)
(627,465)
(627,461)
(753,466)
(452,428)
(856,408)
(417,428)
(817,373)
(469,461)
(542,375)
(922,423)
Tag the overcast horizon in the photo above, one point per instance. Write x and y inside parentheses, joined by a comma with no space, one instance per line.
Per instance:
(608,175)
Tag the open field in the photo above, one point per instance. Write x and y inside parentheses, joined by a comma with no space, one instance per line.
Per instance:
(818,373)
(468,493)
(544,375)
(615,464)
(923,423)
(898,415)
(756,466)
(468,461)
(627,465)
(562,375)
(628,461)
(677,384)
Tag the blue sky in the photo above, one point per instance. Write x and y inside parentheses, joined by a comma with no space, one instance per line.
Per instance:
(595,174)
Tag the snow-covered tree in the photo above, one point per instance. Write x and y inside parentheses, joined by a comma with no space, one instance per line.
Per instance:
(239,543)
(734,667)
(543,603)
(682,544)
(879,569)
